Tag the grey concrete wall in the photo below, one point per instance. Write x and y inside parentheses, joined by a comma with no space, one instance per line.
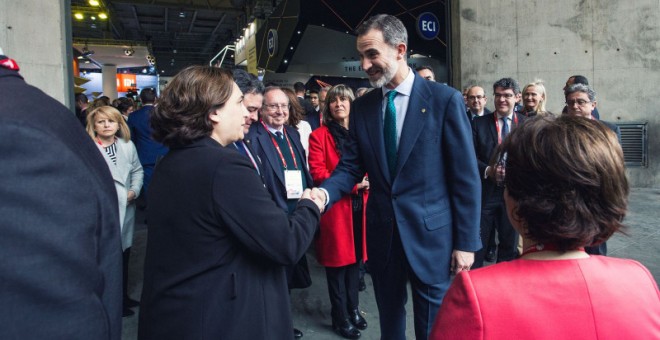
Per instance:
(36,33)
(614,43)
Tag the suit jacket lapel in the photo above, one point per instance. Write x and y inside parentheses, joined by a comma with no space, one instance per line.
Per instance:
(492,128)
(373,123)
(414,122)
(270,152)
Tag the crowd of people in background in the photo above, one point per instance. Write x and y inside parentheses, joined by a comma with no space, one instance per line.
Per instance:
(406,178)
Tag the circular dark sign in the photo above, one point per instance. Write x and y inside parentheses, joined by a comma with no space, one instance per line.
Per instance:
(428,25)
(272,42)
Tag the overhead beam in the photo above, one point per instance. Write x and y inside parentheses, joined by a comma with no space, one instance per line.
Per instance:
(190,6)
(211,41)
(192,22)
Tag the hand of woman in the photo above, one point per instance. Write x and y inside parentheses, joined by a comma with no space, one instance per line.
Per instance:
(364,184)
(130,196)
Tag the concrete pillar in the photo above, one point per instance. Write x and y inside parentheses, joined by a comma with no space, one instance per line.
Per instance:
(37,34)
(109,74)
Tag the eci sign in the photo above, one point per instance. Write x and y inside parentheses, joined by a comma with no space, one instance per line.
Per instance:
(428,25)
(272,42)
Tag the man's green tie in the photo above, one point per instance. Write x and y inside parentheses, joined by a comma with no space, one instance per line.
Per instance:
(390,132)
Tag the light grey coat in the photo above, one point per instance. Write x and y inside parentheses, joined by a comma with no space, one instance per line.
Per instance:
(127,175)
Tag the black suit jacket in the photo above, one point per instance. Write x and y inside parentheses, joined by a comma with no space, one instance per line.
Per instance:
(313,117)
(218,244)
(262,144)
(60,273)
(484,134)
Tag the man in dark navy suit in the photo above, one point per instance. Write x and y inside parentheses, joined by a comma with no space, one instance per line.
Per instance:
(60,273)
(283,158)
(488,132)
(413,139)
(149,151)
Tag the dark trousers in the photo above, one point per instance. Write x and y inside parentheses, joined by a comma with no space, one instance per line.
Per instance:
(343,285)
(494,216)
(126,258)
(390,289)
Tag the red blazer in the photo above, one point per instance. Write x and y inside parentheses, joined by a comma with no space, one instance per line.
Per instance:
(595,298)
(335,244)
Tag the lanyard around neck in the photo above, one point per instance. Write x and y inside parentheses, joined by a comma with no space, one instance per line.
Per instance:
(497,125)
(279,151)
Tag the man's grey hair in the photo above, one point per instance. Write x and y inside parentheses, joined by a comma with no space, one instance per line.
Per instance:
(394,32)
(581,88)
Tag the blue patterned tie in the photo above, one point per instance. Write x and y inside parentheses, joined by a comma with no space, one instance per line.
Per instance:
(390,132)
(505,128)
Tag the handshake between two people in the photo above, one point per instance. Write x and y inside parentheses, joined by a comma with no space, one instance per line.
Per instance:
(317,196)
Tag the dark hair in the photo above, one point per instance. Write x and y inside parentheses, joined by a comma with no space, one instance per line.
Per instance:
(568,178)
(247,82)
(299,87)
(394,32)
(341,91)
(296,112)
(81,98)
(148,95)
(507,83)
(424,67)
(313,91)
(578,79)
(123,104)
(98,102)
(182,113)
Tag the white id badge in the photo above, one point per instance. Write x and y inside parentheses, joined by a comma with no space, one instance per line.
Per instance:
(293,183)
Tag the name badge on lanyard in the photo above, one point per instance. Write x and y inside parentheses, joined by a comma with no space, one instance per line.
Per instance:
(293,184)
(292,178)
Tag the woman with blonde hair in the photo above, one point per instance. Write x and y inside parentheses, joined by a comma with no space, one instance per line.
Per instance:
(534,99)
(108,129)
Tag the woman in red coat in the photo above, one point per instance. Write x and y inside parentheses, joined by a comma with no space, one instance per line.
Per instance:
(341,242)
(566,187)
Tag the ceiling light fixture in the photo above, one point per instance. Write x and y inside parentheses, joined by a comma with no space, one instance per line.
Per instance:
(150,59)
(94,3)
(79,16)
(103,16)
(129,51)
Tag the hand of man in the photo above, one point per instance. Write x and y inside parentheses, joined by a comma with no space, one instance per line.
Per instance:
(308,194)
(319,194)
(130,196)
(461,260)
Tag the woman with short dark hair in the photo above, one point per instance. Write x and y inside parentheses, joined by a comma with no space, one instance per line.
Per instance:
(341,242)
(566,188)
(218,244)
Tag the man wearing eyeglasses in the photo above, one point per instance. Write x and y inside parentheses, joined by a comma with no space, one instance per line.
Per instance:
(581,101)
(488,132)
(283,158)
(476,102)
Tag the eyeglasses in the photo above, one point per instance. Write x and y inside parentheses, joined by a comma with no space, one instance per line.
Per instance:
(505,95)
(476,97)
(580,102)
(274,107)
